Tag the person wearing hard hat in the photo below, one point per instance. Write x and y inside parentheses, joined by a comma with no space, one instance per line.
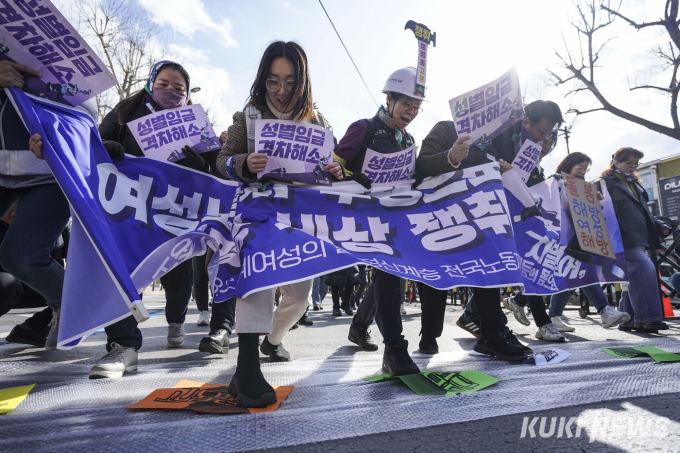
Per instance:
(385,133)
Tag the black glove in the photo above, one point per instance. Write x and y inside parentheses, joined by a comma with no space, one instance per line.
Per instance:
(360,178)
(115,150)
(193,160)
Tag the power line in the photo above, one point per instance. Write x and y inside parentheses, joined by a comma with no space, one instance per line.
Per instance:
(350,57)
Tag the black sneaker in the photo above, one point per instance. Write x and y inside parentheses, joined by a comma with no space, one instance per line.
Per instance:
(471,326)
(348,310)
(499,347)
(428,346)
(337,312)
(397,361)
(361,337)
(305,321)
(512,339)
(317,307)
(216,342)
(648,326)
(276,353)
(23,334)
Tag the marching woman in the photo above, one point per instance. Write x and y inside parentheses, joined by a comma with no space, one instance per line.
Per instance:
(385,133)
(167,87)
(639,231)
(577,164)
(282,90)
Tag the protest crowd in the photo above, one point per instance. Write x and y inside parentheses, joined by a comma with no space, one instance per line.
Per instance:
(39,223)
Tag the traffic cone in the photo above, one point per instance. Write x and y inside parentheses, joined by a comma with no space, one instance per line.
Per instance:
(667,307)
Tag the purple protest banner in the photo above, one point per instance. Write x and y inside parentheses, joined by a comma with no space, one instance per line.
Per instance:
(487,111)
(35,34)
(383,168)
(162,135)
(296,151)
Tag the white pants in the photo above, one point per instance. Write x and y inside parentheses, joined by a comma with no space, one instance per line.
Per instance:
(255,313)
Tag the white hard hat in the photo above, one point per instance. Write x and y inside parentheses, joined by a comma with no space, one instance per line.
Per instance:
(402,81)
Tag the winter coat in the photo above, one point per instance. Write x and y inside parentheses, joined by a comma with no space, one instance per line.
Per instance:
(638,227)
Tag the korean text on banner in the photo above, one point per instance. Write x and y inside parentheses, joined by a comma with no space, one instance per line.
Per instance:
(526,159)
(162,135)
(587,217)
(35,34)
(296,151)
(489,110)
(383,168)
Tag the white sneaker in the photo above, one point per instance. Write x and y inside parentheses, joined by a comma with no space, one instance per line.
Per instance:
(403,310)
(175,335)
(610,317)
(548,332)
(561,325)
(517,310)
(118,361)
(203,318)
(53,336)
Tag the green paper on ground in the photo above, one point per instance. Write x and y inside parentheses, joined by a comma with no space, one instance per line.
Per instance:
(659,355)
(442,383)
(10,398)
(381,378)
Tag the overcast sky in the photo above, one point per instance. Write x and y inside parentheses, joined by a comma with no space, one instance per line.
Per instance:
(221,42)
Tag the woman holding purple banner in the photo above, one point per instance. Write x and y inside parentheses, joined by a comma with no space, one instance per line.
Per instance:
(577,164)
(167,87)
(639,231)
(282,90)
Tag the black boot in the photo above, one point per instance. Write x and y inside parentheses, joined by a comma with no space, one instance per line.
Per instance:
(512,339)
(216,342)
(348,311)
(498,346)
(397,361)
(248,384)
(305,321)
(361,337)
(24,334)
(428,346)
(276,353)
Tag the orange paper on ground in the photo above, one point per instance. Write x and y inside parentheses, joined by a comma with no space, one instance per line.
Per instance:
(200,397)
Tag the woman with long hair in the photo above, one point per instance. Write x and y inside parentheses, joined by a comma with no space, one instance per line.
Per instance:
(639,231)
(282,90)
(577,165)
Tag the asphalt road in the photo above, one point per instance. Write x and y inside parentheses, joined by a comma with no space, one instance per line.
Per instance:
(635,424)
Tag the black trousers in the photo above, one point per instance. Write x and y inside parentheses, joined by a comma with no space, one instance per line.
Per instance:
(223,314)
(486,310)
(14,295)
(344,292)
(387,296)
(201,282)
(537,307)
(177,286)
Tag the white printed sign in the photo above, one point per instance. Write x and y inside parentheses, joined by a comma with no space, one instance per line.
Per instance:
(547,357)
(385,168)
(163,134)
(35,34)
(526,159)
(489,110)
(296,151)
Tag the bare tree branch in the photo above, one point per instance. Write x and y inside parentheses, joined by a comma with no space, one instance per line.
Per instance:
(587,23)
